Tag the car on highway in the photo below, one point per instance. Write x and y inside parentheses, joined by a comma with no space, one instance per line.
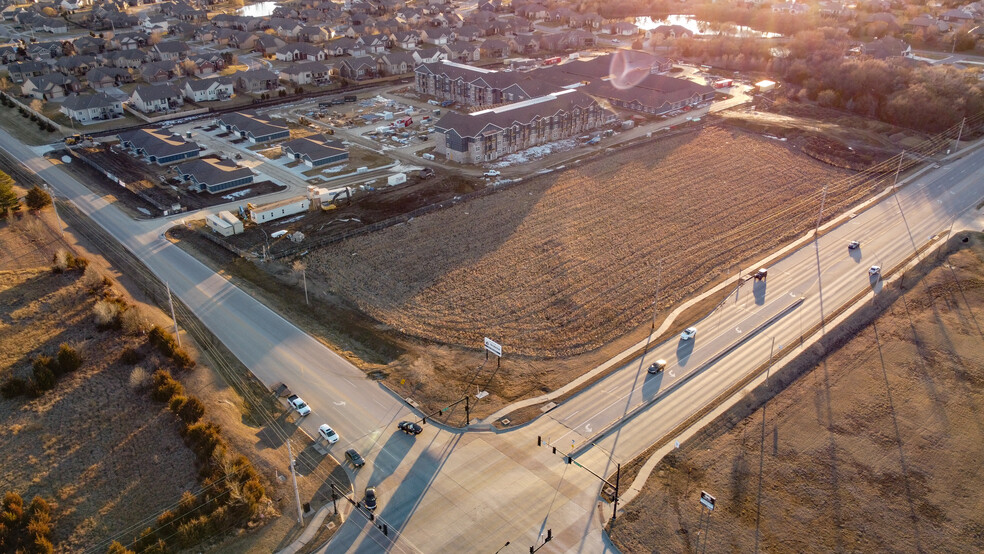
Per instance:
(761,274)
(299,405)
(853,245)
(874,270)
(657,367)
(328,433)
(410,427)
(688,333)
(354,458)
(370,500)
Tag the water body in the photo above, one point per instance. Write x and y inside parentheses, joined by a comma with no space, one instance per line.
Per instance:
(698,27)
(259,9)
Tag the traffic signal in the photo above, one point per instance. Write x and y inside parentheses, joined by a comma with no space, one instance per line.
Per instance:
(549,535)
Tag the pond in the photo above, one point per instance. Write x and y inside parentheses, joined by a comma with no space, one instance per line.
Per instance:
(698,27)
(259,9)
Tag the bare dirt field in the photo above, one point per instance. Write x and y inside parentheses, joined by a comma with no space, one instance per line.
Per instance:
(569,261)
(876,448)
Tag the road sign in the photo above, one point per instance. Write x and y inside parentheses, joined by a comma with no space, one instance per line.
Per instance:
(493,347)
(707,500)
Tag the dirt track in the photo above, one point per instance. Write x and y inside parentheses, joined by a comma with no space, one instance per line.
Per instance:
(567,262)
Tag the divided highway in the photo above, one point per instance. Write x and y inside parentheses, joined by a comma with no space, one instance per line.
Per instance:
(447,491)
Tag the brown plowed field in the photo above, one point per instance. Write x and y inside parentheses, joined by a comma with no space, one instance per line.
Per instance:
(568,261)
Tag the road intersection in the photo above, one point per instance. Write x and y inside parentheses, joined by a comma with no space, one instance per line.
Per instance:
(449,491)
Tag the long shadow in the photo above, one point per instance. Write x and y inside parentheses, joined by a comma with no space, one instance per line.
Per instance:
(828,418)
(684,349)
(652,385)
(898,441)
(856,255)
(390,456)
(758,291)
(275,435)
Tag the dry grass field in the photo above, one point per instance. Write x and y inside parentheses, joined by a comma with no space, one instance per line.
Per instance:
(877,448)
(567,262)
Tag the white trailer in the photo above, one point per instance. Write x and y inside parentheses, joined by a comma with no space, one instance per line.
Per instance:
(277,210)
(396,179)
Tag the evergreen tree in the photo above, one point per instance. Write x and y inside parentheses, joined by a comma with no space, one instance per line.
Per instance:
(8,198)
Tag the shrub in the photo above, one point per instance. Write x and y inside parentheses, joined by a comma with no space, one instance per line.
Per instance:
(69,359)
(37,198)
(132,321)
(42,545)
(182,359)
(164,386)
(131,356)
(193,532)
(163,340)
(44,378)
(176,402)
(77,262)
(106,312)
(203,438)
(191,410)
(117,548)
(13,387)
(59,262)
(139,378)
(91,279)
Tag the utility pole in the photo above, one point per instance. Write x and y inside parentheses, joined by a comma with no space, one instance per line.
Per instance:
(174,319)
(959,134)
(293,475)
(618,473)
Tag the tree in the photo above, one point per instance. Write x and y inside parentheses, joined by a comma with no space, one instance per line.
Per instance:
(37,105)
(37,198)
(8,198)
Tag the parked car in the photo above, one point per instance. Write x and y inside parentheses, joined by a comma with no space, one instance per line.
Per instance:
(410,427)
(657,366)
(299,405)
(492,173)
(853,245)
(688,333)
(328,433)
(370,500)
(874,270)
(353,456)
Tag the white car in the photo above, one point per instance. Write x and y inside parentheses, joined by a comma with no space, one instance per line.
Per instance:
(491,173)
(688,333)
(328,433)
(874,270)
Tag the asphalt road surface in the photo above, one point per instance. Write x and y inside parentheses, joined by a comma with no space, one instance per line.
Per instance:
(447,491)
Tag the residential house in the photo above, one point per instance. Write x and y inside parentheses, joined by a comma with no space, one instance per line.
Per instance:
(430,55)
(495,48)
(886,47)
(534,12)
(253,127)
(157,72)
(171,50)
(257,80)
(92,107)
(346,47)
(209,90)
(104,77)
(407,40)
(439,36)
(154,22)
(358,68)
(307,73)
(315,150)
(76,65)
(297,51)
(624,28)
(157,98)
(127,59)
(268,45)
(214,175)
(20,72)
(396,63)
(525,45)
(463,52)
(91,46)
(671,31)
(314,34)
(376,44)
(51,86)
(957,17)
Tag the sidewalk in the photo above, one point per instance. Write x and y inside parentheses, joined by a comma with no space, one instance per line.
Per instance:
(313,526)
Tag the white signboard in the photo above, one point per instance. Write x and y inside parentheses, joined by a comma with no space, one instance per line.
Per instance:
(493,347)
(707,500)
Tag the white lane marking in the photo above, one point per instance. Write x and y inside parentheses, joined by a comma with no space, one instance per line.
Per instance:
(572,415)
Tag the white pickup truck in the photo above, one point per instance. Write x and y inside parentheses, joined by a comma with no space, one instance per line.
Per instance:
(299,405)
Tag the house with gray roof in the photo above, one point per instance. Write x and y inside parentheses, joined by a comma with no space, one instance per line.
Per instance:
(157,98)
(157,146)
(213,175)
(253,127)
(315,150)
(209,90)
(51,86)
(104,77)
(92,108)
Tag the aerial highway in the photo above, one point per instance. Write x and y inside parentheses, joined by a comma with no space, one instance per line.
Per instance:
(444,490)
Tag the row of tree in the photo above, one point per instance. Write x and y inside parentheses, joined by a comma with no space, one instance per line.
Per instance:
(25,529)
(9,201)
